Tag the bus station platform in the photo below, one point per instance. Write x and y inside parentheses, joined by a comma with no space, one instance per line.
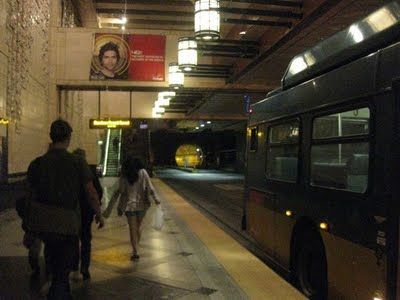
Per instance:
(190,258)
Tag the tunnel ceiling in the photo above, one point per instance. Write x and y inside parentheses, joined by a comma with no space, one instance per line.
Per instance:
(196,126)
(254,63)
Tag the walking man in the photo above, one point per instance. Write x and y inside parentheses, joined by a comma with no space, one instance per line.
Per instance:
(57,181)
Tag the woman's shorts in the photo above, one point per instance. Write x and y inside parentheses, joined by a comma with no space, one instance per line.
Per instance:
(136,213)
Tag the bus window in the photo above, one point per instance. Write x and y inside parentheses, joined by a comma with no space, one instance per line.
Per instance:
(282,152)
(336,163)
(354,122)
(253,139)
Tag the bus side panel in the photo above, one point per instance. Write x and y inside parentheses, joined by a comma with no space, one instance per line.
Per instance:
(260,221)
(353,272)
(283,232)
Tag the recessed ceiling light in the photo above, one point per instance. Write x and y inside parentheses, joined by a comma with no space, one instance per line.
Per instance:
(242,32)
(123,27)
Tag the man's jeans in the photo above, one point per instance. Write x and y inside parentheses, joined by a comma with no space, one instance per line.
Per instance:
(60,250)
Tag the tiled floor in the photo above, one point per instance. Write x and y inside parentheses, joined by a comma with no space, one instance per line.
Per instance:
(177,262)
(167,269)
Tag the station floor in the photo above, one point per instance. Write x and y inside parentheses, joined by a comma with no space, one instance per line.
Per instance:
(190,258)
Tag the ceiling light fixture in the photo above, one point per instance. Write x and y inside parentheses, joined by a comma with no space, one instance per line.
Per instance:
(176,77)
(159,110)
(206,19)
(187,53)
(166,94)
(161,102)
(242,32)
(155,115)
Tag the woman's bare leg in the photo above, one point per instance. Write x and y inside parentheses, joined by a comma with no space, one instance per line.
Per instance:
(133,232)
(139,221)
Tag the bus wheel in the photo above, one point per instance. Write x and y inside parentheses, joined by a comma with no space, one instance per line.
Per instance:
(311,270)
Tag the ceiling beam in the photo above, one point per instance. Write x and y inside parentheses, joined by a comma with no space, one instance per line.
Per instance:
(187,99)
(213,67)
(270,2)
(144,12)
(285,3)
(177,105)
(228,10)
(206,90)
(261,12)
(150,2)
(258,22)
(179,110)
(241,55)
(133,22)
(207,75)
(229,42)
(222,48)
(208,71)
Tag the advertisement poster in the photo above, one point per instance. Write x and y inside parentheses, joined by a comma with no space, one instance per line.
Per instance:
(136,57)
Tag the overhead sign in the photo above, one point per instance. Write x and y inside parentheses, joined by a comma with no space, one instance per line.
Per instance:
(110,123)
(138,57)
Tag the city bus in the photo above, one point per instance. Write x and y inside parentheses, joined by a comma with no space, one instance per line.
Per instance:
(323,162)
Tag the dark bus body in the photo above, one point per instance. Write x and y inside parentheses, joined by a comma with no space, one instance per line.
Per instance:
(322,178)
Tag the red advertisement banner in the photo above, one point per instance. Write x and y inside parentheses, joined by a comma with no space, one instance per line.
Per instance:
(136,57)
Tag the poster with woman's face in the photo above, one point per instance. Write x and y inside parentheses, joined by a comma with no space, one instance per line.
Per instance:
(128,57)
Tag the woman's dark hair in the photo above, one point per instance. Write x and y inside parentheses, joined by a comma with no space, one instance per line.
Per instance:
(110,46)
(130,169)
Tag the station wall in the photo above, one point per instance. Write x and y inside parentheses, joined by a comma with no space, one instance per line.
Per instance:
(24,79)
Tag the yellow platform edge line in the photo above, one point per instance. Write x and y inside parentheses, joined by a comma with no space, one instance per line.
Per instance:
(256,279)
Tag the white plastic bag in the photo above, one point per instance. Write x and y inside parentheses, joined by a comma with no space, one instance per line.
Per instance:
(158,218)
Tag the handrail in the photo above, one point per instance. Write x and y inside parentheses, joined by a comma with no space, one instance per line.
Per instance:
(119,148)
(106,153)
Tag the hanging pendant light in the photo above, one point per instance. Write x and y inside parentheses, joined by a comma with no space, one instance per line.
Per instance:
(187,53)
(157,111)
(161,103)
(176,77)
(206,19)
(166,94)
(155,115)
(164,98)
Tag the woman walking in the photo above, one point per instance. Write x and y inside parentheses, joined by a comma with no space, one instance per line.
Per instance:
(134,188)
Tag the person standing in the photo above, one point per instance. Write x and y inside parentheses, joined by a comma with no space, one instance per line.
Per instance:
(134,187)
(56,182)
(116,143)
(87,213)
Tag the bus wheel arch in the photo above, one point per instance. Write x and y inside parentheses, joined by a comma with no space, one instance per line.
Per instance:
(308,263)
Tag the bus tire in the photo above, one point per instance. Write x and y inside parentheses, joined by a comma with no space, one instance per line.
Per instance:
(311,266)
